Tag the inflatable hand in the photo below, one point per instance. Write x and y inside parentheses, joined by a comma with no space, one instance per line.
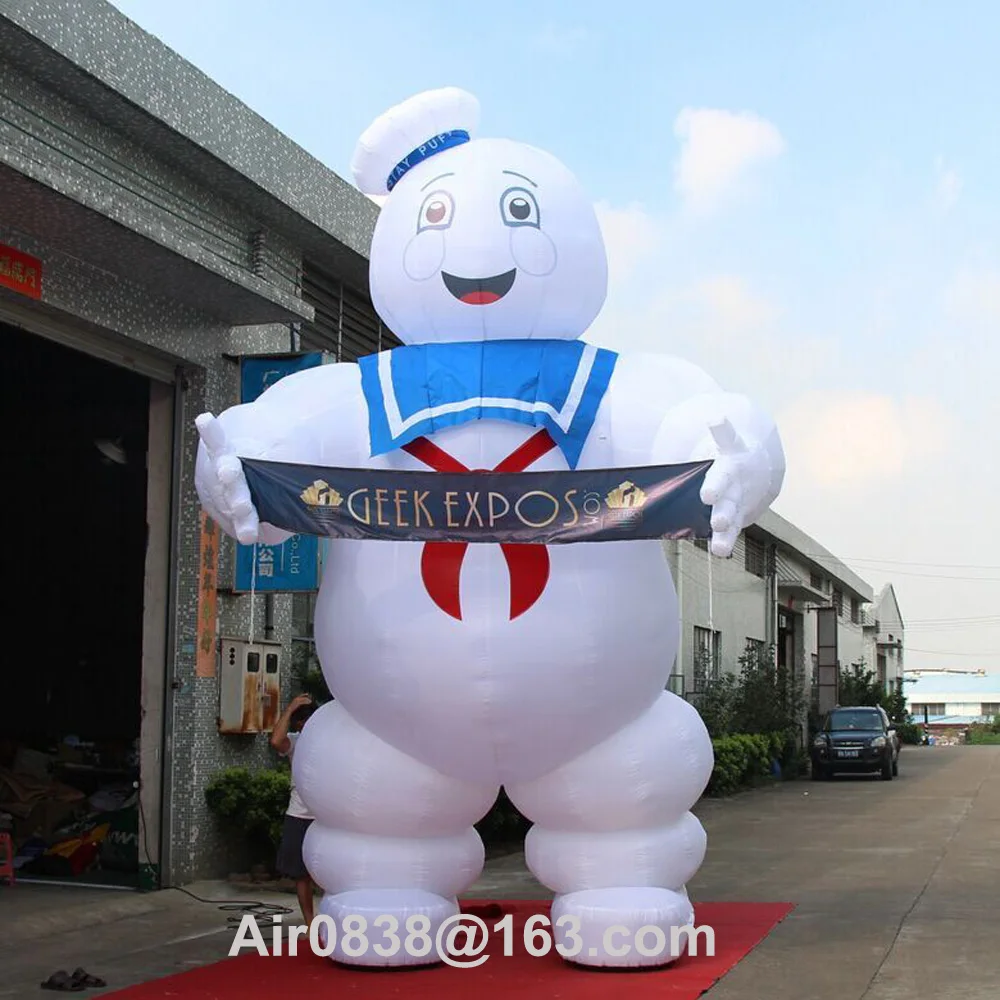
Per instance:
(735,485)
(226,483)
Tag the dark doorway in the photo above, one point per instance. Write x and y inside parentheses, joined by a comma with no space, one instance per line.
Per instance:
(786,639)
(70,712)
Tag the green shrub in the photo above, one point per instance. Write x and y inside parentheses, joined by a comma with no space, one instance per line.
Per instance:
(985,734)
(743,760)
(251,805)
(910,732)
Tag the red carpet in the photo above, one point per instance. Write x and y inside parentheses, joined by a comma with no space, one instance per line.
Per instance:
(739,927)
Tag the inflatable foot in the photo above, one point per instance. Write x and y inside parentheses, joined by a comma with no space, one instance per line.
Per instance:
(383,927)
(622,928)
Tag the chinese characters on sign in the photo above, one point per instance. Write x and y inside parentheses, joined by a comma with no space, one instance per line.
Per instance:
(21,272)
(207,597)
(287,567)
(294,565)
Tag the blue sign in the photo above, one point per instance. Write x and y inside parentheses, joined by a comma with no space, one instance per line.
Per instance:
(293,565)
(260,373)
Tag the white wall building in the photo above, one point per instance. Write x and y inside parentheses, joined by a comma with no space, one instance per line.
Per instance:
(889,636)
(950,699)
(773,589)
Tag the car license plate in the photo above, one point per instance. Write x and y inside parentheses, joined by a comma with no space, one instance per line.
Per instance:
(847,753)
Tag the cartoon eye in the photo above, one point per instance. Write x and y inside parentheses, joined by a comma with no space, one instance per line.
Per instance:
(436,211)
(519,208)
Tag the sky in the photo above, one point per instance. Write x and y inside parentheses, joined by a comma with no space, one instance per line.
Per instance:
(802,198)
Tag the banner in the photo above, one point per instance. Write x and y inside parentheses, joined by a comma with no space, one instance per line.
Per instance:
(294,565)
(546,508)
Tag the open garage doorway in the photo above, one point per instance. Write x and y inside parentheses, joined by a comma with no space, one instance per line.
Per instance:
(77,540)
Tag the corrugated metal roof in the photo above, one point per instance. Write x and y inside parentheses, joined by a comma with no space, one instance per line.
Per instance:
(921,687)
(951,720)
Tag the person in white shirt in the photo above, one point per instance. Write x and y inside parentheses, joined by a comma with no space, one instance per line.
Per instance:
(297,816)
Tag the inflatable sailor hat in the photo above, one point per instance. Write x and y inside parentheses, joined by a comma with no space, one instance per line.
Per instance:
(409,133)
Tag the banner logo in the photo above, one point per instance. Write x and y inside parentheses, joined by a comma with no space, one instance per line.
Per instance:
(321,494)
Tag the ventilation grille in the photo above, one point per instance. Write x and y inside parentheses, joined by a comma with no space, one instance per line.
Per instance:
(346,324)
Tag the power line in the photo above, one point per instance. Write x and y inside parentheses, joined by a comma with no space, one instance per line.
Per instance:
(966,618)
(874,565)
(934,576)
(897,562)
(943,652)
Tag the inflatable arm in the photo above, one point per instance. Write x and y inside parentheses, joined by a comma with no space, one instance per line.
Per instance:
(749,460)
(667,411)
(314,417)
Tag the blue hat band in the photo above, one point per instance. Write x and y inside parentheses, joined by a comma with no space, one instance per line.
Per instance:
(438,144)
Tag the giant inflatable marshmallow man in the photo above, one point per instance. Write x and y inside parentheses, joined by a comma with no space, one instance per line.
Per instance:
(459,669)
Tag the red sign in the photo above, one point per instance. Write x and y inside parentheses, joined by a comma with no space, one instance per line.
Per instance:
(207,597)
(21,272)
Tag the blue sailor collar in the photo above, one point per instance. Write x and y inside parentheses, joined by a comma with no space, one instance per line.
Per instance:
(420,389)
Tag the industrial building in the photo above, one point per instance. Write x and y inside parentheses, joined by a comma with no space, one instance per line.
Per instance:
(163,251)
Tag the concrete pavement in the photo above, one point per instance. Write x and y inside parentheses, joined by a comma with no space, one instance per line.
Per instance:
(897,886)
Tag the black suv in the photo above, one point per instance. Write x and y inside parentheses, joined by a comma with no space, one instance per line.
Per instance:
(855,740)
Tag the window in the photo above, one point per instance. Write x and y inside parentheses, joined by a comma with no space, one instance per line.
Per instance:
(838,603)
(855,610)
(990,708)
(816,581)
(857,719)
(755,649)
(930,708)
(707,649)
(754,557)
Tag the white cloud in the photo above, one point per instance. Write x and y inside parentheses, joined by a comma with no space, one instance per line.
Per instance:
(850,441)
(740,336)
(630,234)
(973,297)
(731,305)
(717,149)
(948,187)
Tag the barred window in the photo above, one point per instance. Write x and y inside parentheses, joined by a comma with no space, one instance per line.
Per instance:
(707,649)
(754,557)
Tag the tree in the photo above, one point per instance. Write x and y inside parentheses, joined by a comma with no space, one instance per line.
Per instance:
(860,686)
(761,698)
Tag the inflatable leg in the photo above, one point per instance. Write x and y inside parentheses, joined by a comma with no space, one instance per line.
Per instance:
(392,840)
(614,838)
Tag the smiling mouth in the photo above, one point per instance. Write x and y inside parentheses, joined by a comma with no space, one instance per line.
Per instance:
(479,291)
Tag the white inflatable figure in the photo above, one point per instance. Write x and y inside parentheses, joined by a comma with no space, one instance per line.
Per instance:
(457,670)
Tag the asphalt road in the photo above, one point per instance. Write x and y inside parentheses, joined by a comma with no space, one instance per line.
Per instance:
(896,886)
